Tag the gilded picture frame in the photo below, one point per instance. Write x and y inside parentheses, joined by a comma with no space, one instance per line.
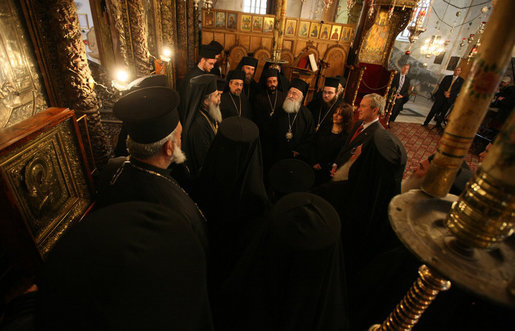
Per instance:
(246,23)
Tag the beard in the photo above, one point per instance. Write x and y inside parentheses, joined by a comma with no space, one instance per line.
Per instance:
(248,79)
(215,113)
(178,156)
(330,102)
(272,88)
(291,106)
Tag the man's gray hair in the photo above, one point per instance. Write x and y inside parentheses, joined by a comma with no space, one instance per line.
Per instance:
(376,101)
(146,151)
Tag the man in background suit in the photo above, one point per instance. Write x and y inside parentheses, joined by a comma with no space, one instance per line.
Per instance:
(444,97)
(401,83)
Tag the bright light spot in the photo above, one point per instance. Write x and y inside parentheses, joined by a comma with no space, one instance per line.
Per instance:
(122,76)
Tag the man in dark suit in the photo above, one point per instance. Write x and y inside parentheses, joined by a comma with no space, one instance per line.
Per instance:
(444,97)
(401,84)
(370,108)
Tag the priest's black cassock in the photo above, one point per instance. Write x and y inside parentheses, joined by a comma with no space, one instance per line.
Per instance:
(207,52)
(322,111)
(130,266)
(252,88)
(200,128)
(291,132)
(291,276)
(151,115)
(235,105)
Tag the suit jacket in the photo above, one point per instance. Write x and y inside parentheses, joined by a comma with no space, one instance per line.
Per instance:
(404,89)
(363,138)
(444,86)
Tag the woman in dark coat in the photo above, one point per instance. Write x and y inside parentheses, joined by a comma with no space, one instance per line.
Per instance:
(327,144)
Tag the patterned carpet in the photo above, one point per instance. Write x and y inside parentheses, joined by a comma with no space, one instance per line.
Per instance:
(420,142)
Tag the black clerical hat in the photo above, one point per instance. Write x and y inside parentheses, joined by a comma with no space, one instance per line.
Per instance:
(270,73)
(150,113)
(300,85)
(342,80)
(332,82)
(304,221)
(208,52)
(248,61)
(238,129)
(291,175)
(148,81)
(206,83)
(220,84)
(216,46)
(235,74)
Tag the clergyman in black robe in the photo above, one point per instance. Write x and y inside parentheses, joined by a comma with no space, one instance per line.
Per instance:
(218,48)
(154,143)
(206,63)
(130,266)
(322,108)
(292,129)
(234,102)
(248,65)
(290,278)
(205,116)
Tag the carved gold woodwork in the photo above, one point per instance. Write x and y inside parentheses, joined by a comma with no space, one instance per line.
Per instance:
(45,187)
(236,53)
(45,179)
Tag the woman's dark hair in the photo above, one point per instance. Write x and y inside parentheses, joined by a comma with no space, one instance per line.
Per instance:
(347,112)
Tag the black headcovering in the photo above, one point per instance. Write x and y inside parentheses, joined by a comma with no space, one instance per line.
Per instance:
(248,61)
(304,221)
(291,175)
(220,84)
(150,113)
(126,266)
(235,74)
(332,82)
(270,73)
(208,52)
(342,80)
(198,88)
(148,81)
(216,46)
(232,174)
(300,85)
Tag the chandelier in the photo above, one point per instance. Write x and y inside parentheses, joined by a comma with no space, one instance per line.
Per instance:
(433,46)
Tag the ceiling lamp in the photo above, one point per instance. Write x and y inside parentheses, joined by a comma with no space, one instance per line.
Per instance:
(433,46)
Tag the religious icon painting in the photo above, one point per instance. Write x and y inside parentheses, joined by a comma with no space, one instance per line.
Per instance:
(289,29)
(304,29)
(326,29)
(314,31)
(257,24)
(220,19)
(335,32)
(346,33)
(268,25)
(232,20)
(246,21)
(209,19)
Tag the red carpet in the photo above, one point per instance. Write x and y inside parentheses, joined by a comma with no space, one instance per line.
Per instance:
(420,142)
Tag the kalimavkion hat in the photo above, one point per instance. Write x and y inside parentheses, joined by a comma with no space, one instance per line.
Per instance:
(150,113)
(291,175)
(249,61)
(300,85)
(267,73)
(217,47)
(220,84)
(235,74)
(332,82)
(207,51)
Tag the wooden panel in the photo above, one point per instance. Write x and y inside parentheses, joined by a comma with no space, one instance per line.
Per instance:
(45,187)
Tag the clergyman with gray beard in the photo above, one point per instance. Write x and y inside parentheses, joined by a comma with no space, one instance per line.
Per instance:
(292,128)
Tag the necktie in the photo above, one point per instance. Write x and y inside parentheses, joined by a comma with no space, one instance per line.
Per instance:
(358,131)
